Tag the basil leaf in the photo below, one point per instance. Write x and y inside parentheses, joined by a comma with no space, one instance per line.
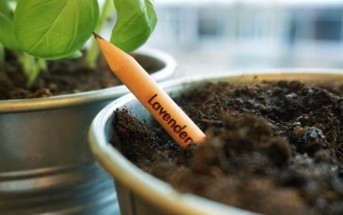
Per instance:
(136,19)
(75,55)
(7,34)
(54,29)
(5,8)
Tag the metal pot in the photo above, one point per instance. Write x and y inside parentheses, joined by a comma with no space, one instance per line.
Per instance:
(140,193)
(46,166)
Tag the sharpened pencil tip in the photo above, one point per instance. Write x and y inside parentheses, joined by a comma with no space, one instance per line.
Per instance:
(96,35)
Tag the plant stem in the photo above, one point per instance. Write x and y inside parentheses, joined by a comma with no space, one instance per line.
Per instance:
(2,53)
(93,50)
(31,67)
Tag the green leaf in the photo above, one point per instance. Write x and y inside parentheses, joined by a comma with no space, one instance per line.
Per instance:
(5,8)
(75,55)
(54,29)
(136,20)
(7,34)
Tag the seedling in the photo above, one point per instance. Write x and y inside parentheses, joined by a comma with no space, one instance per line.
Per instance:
(40,30)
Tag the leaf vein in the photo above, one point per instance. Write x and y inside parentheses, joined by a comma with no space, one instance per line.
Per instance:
(49,29)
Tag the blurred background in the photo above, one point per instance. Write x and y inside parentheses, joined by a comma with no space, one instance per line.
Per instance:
(219,35)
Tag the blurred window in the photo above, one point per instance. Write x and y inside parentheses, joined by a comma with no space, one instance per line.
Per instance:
(328,25)
(316,25)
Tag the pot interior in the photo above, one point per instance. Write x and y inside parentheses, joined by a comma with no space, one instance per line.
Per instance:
(157,193)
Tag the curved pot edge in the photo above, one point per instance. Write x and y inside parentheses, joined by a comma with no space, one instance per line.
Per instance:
(160,192)
(20,105)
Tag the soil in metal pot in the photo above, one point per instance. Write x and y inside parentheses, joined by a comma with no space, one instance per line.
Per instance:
(62,77)
(271,147)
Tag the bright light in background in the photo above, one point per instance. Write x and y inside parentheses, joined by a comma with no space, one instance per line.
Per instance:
(213,36)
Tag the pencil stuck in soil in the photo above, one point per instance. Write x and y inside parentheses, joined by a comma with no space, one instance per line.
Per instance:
(171,117)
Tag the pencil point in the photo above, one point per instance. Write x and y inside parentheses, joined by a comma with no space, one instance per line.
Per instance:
(97,35)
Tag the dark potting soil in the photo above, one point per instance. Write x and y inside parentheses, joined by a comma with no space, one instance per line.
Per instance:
(271,147)
(62,77)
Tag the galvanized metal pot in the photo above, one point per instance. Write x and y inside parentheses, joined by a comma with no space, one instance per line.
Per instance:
(140,193)
(46,166)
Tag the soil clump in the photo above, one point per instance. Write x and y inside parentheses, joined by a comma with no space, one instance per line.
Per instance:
(273,147)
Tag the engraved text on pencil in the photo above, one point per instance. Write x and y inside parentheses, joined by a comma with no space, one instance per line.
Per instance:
(176,128)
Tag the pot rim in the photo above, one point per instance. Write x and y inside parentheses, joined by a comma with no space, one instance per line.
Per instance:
(21,105)
(154,189)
